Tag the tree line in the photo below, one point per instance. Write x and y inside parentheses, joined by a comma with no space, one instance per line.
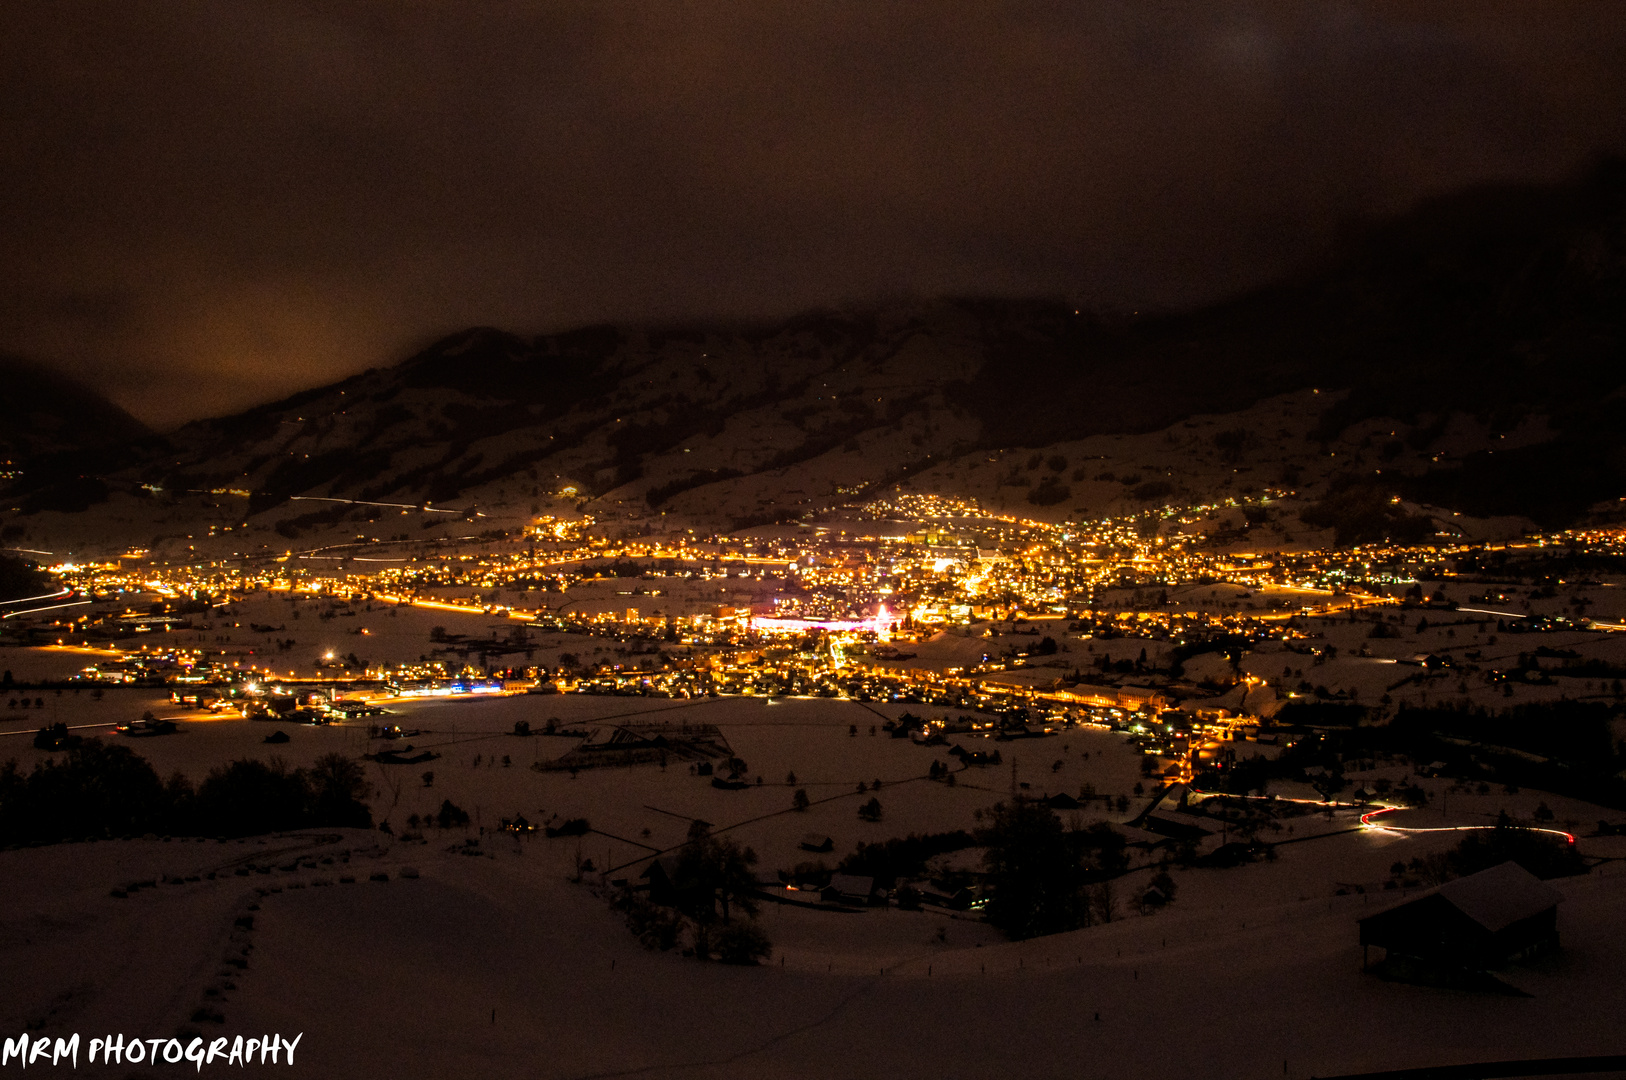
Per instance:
(105,790)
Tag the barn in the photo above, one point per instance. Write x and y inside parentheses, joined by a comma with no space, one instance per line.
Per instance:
(1467,926)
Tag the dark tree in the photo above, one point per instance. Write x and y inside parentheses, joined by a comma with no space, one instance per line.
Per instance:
(338,793)
(711,881)
(97,789)
(451,816)
(1041,873)
(1037,879)
(250,797)
(741,942)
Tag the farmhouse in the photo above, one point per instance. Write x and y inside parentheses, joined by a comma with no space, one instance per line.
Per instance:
(848,889)
(1466,927)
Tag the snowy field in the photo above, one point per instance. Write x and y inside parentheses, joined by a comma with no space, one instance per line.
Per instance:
(809,737)
(492,963)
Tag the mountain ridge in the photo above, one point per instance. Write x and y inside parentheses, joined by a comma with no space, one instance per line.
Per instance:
(1506,304)
(50,413)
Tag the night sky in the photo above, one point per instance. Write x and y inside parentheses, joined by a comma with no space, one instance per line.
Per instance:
(208,204)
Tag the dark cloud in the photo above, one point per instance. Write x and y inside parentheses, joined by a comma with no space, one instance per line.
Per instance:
(208,203)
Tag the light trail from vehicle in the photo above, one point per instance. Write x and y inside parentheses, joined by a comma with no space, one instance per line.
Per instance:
(1285,799)
(1366,820)
(364,502)
(41,596)
(70,727)
(52,607)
